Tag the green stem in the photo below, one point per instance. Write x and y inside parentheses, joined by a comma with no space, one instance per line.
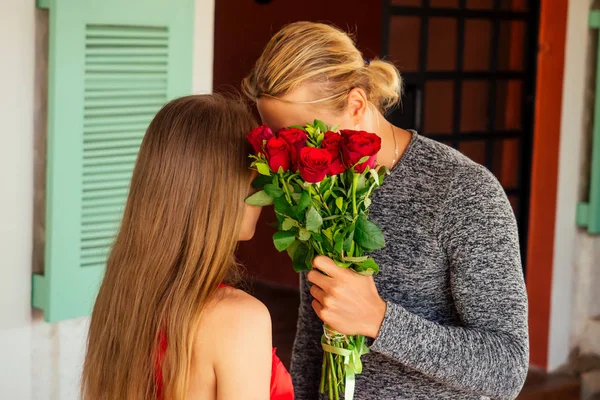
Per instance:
(354,185)
(323,373)
(335,381)
(286,190)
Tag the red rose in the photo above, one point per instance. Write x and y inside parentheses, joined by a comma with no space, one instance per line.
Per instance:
(257,136)
(332,143)
(296,138)
(359,144)
(278,154)
(314,164)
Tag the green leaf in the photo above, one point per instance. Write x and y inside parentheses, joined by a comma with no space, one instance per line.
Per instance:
(260,199)
(339,202)
(296,197)
(368,235)
(273,190)
(313,220)
(260,181)
(321,125)
(328,233)
(288,224)
(338,243)
(299,258)
(292,249)
(375,176)
(263,169)
(283,240)
(298,127)
(304,235)
(303,203)
(367,202)
(320,138)
(362,160)
(367,267)
(356,260)
(349,238)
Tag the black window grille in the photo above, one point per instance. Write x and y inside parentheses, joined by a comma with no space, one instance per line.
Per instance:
(469,73)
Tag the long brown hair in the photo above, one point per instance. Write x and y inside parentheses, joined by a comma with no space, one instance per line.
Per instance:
(176,244)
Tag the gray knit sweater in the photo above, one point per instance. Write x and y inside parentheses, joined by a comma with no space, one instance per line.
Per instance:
(456,320)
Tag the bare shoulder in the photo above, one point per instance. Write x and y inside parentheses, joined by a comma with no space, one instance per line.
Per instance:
(234,313)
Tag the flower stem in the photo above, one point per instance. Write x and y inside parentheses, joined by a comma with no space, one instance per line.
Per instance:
(288,197)
(354,185)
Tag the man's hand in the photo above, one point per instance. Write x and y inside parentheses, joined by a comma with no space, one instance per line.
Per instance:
(345,300)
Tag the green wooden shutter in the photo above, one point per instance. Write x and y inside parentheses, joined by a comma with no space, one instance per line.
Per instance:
(112,65)
(588,213)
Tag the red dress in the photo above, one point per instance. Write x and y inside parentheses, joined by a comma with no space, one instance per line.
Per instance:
(281,381)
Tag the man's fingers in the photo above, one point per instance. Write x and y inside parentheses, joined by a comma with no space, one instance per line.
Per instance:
(317,278)
(318,307)
(317,293)
(326,265)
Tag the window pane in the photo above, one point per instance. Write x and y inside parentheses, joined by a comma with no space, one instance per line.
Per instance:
(480,4)
(478,34)
(441,50)
(509,99)
(514,5)
(438,106)
(404,42)
(511,45)
(475,150)
(443,3)
(506,162)
(474,110)
(415,3)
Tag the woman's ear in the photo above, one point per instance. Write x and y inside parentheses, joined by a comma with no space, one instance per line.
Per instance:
(357,105)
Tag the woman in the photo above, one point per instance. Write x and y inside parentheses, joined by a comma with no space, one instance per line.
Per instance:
(447,314)
(161,327)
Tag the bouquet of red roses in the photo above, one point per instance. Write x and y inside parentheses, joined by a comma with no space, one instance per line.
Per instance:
(320,182)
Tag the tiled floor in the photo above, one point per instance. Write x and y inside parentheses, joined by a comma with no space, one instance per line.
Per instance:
(283,305)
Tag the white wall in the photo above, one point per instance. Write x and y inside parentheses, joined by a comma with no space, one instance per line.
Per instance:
(573,266)
(16,195)
(38,360)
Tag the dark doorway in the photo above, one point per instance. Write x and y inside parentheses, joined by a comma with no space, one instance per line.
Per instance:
(469,73)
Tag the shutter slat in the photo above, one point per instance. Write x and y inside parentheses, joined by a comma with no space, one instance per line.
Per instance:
(112,67)
(122,30)
(107,169)
(95,243)
(93,260)
(99,130)
(104,201)
(120,110)
(146,51)
(87,186)
(105,193)
(95,88)
(99,228)
(111,144)
(107,177)
(155,101)
(118,42)
(124,59)
(92,211)
(104,218)
(118,120)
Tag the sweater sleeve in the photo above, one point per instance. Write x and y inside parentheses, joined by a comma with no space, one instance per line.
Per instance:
(307,354)
(488,354)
